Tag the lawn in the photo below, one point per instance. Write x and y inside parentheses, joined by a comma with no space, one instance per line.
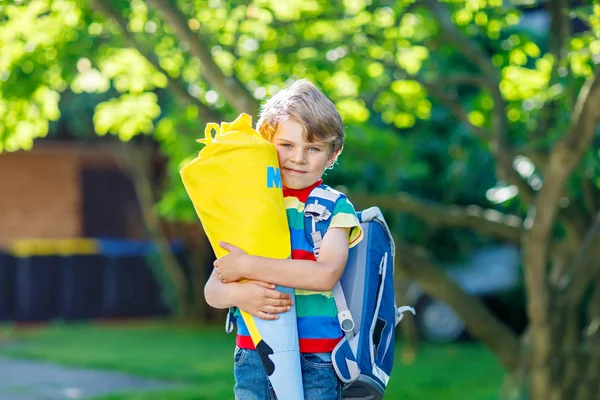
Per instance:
(202,361)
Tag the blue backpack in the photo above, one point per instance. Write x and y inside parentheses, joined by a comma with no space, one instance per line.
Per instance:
(364,297)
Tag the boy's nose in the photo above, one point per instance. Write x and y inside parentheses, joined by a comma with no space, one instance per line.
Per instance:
(299,157)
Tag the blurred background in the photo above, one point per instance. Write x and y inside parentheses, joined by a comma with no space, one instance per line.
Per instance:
(472,124)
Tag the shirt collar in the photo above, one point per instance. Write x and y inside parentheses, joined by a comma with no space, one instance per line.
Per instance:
(301,194)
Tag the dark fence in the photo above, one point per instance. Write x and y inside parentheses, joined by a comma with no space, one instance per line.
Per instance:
(7,286)
(42,280)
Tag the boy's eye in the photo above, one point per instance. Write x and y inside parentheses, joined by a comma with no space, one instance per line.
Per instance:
(286,145)
(314,149)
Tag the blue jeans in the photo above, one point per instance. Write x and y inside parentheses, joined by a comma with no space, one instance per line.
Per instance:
(318,377)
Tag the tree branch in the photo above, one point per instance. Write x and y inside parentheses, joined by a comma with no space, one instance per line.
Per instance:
(573,220)
(499,145)
(492,222)
(588,190)
(415,264)
(433,88)
(559,36)
(502,154)
(229,87)
(175,85)
(462,79)
(564,157)
(584,270)
(452,35)
(593,317)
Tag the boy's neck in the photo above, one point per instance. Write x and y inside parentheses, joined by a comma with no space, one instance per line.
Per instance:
(301,194)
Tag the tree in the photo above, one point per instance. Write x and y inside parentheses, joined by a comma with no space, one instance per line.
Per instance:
(524,108)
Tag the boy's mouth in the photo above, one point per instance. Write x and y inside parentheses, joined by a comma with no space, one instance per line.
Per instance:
(294,171)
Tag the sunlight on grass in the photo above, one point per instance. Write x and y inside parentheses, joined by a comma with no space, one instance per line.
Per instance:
(201,359)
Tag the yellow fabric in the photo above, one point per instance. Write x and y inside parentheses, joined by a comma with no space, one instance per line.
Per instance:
(344,220)
(235,187)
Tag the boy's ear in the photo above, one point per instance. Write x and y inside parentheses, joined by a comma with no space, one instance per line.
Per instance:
(333,158)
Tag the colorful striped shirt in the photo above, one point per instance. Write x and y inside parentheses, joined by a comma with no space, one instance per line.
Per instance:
(318,327)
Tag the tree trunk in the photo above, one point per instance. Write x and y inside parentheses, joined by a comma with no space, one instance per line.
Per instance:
(136,162)
(516,382)
(200,257)
(592,345)
(572,368)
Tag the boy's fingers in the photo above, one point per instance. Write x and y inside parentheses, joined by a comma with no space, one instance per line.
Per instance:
(274,294)
(264,315)
(277,309)
(279,302)
(265,284)
(282,303)
(227,246)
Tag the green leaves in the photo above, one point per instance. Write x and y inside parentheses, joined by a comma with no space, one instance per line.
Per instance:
(520,83)
(127,115)
(21,121)
(33,41)
(406,102)
(412,58)
(131,72)
(361,53)
(177,134)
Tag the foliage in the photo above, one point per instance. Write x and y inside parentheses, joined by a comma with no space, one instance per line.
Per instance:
(360,53)
(351,49)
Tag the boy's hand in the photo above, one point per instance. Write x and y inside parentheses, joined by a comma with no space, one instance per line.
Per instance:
(230,268)
(262,300)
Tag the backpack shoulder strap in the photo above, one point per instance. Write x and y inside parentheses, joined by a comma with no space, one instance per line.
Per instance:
(318,211)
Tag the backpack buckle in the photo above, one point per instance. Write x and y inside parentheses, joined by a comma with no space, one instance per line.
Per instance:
(346,321)
(316,237)
(318,211)
(401,310)
(229,322)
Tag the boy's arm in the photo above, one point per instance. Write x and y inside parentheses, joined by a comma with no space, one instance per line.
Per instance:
(257,298)
(218,294)
(321,275)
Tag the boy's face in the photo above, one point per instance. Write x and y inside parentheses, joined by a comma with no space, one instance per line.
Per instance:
(301,163)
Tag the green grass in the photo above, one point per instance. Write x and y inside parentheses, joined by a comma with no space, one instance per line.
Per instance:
(202,360)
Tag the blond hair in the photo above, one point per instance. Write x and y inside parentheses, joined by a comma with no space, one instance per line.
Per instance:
(304,103)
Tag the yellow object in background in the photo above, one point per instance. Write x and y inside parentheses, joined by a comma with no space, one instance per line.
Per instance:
(49,247)
(235,185)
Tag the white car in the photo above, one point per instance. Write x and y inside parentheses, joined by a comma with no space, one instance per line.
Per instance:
(489,272)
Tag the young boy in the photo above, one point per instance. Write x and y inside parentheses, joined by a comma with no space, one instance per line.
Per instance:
(308,133)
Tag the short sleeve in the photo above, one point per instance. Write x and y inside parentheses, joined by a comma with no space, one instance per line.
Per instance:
(344,216)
